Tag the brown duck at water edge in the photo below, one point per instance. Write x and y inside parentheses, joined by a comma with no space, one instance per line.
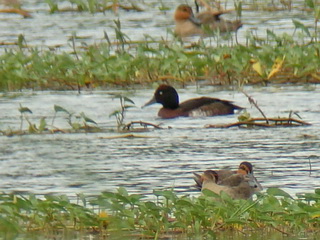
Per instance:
(188,25)
(240,180)
(245,168)
(203,106)
(240,189)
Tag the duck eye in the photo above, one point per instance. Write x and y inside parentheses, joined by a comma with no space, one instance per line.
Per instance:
(160,93)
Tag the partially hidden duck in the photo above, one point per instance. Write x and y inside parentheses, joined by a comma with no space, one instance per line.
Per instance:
(203,106)
(240,184)
(187,24)
(241,188)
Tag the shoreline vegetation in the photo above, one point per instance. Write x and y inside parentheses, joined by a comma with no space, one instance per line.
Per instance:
(277,61)
(274,58)
(163,214)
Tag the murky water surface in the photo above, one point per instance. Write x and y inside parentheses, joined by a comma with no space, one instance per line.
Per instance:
(88,163)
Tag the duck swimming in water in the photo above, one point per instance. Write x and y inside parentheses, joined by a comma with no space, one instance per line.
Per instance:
(187,24)
(203,106)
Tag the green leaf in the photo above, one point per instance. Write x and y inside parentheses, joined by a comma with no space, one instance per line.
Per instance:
(245,116)
(164,193)
(114,113)
(76,126)
(21,39)
(310,3)
(24,109)
(43,124)
(122,191)
(58,108)
(87,119)
(278,192)
(52,5)
(298,24)
(235,220)
(126,99)
(128,106)
(184,203)
(209,193)
(32,128)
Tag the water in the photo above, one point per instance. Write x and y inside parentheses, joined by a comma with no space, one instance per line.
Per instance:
(92,163)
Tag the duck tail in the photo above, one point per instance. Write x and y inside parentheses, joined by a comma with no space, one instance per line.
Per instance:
(198,179)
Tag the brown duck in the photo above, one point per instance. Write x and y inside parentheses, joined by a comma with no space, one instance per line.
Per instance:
(188,25)
(240,184)
(240,187)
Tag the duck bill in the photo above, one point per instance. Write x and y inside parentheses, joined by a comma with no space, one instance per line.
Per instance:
(195,20)
(253,182)
(152,101)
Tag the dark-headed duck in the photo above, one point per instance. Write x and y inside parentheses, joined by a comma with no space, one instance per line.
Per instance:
(203,106)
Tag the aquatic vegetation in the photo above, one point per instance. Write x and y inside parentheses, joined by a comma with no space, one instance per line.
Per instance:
(93,6)
(273,60)
(79,122)
(245,120)
(120,114)
(135,215)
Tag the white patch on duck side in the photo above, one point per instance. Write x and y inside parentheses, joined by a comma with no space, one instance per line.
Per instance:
(200,113)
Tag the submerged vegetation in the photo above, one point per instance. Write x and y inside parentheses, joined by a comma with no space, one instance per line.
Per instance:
(135,216)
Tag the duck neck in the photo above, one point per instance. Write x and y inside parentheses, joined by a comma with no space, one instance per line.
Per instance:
(171,105)
(171,101)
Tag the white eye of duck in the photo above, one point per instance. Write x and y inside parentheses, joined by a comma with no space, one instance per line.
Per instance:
(160,93)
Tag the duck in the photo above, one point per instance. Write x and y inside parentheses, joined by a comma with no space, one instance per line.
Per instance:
(240,189)
(203,106)
(187,24)
(231,178)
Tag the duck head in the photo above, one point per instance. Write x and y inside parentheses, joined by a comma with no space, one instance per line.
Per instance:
(184,13)
(165,95)
(245,168)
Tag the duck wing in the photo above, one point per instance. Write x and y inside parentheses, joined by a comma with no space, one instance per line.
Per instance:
(208,17)
(208,106)
(233,180)
(222,174)
(216,23)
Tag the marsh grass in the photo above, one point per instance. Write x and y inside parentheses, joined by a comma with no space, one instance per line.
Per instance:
(272,60)
(135,215)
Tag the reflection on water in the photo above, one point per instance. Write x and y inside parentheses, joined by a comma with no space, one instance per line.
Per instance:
(88,163)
